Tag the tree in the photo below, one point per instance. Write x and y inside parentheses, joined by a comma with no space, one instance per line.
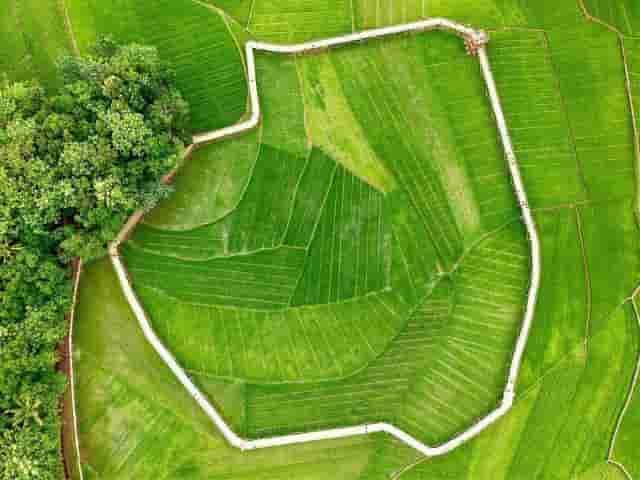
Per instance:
(73,167)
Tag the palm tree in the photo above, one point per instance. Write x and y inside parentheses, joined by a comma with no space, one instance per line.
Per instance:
(7,251)
(27,410)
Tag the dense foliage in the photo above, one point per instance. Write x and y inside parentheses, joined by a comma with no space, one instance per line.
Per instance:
(73,166)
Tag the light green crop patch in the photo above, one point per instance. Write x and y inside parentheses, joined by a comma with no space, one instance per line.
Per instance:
(332,126)
(289,21)
(33,36)
(209,185)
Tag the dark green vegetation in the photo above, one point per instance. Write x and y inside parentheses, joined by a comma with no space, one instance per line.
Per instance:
(73,166)
(261,269)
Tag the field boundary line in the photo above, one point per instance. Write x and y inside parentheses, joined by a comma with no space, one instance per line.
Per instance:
(630,394)
(67,21)
(313,231)
(598,20)
(250,16)
(475,41)
(72,387)
(587,276)
(294,197)
(240,254)
(632,109)
(565,114)
(636,140)
(634,121)
(353,16)
(594,18)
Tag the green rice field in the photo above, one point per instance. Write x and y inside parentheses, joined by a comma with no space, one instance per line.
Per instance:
(360,256)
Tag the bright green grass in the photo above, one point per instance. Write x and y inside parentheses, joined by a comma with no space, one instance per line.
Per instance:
(465,372)
(199,244)
(623,15)
(204,242)
(368,84)
(564,92)
(625,450)
(613,276)
(374,394)
(137,421)
(570,120)
(33,36)
(332,126)
(259,221)
(632,54)
(439,141)
(316,183)
(379,13)
(537,118)
(359,242)
(209,185)
(282,104)
(293,344)
(597,108)
(349,255)
(288,21)
(239,10)
(414,257)
(571,392)
(371,256)
(488,13)
(263,280)
(390,460)
(195,39)
(562,309)
(603,471)
(262,196)
(446,365)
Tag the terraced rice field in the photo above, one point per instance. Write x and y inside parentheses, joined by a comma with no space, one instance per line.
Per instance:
(367,257)
(147,432)
(183,31)
(359,257)
(402,386)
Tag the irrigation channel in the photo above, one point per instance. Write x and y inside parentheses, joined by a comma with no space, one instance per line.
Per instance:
(475,41)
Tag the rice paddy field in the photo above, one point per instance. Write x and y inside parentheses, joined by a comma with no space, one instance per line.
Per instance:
(33,34)
(360,257)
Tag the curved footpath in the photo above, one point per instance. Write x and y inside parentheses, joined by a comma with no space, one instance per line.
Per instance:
(475,41)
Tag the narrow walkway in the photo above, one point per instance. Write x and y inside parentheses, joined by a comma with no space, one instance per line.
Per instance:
(475,42)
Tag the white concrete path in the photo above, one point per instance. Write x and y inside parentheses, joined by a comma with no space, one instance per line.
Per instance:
(477,40)
(72,382)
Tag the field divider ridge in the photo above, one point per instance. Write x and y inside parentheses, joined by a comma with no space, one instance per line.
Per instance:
(72,386)
(475,41)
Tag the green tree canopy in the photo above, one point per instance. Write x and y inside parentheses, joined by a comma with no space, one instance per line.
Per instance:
(73,167)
